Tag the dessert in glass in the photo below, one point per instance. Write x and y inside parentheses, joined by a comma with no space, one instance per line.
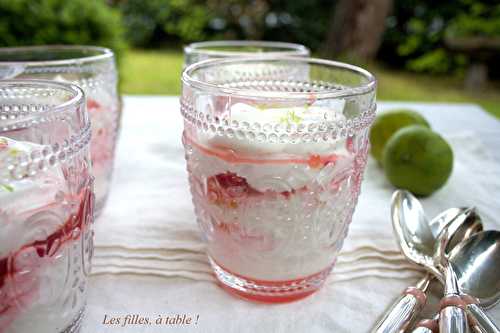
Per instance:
(46,206)
(275,151)
(196,52)
(91,68)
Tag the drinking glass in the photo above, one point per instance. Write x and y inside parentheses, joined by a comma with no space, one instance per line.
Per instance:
(275,151)
(46,206)
(91,68)
(196,52)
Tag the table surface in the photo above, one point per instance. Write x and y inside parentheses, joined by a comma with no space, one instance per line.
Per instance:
(127,293)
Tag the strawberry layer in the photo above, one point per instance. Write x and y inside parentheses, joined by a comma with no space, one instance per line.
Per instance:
(272,216)
(270,235)
(20,284)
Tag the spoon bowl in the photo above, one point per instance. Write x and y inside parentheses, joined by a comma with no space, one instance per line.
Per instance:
(412,229)
(417,236)
(417,239)
(476,264)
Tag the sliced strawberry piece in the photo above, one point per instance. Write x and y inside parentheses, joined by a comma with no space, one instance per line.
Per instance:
(315,162)
(92,104)
(228,189)
(233,185)
(318,161)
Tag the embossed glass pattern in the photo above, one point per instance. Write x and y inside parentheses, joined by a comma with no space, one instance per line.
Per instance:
(91,68)
(46,206)
(275,150)
(196,52)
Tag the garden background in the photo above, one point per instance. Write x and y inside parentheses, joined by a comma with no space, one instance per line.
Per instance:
(419,50)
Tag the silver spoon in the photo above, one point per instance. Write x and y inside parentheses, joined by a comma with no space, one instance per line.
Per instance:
(417,239)
(452,316)
(475,264)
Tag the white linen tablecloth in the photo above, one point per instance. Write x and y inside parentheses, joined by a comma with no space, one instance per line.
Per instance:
(150,261)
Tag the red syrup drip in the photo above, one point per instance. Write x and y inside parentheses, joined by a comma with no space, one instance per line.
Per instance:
(49,247)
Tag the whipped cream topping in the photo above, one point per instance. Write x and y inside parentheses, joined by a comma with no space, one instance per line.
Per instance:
(315,113)
(22,201)
(275,176)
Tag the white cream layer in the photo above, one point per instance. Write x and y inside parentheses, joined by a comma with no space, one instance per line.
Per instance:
(277,177)
(24,203)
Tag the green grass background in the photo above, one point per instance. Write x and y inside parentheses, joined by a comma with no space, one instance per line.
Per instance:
(157,72)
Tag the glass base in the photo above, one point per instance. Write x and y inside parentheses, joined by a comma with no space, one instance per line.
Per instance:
(76,325)
(269,291)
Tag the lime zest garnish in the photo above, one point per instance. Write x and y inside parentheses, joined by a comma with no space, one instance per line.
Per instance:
(6,188)
(290,117)
(13,152)
(296,119)
(264,106)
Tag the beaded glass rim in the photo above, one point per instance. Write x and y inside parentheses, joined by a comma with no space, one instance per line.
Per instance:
(326,131)
(280,48)
(102,54)
(7,116)
(29,164)
(243,92)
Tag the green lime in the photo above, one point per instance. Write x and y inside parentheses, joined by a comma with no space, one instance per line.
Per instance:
(418,160)
(387,123)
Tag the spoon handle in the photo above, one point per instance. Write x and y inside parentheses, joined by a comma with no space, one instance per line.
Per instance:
(404,310)
(480,321)
(426,326)
(452,317)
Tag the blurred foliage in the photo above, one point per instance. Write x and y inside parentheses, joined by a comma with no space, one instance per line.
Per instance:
(151,22)
(87,22)
(415,37)
(481,20)
(416,31)
(303,21)
(154,22)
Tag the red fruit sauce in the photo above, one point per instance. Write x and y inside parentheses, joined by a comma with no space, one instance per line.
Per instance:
(49,246)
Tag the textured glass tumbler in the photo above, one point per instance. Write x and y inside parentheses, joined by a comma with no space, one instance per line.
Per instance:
(46,206)
(275,151)
(196,52)
(91,68)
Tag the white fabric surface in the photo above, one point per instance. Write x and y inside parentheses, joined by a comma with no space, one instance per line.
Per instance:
(149,257)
